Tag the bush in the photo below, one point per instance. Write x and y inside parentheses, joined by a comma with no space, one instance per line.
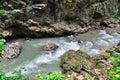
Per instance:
(54,76)
(51,76)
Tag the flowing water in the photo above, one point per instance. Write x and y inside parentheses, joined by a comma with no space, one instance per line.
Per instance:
(35,60)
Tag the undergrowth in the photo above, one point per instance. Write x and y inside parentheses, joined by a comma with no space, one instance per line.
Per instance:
(114,74)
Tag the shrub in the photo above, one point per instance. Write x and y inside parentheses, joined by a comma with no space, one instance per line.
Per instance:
(2,43)
(54,76)
(114,74)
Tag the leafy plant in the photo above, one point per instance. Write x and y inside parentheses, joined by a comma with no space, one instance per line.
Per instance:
(54,76)
(2,11)
(2,43)
(51,76)
(115,73)
(16,76)
(39,76)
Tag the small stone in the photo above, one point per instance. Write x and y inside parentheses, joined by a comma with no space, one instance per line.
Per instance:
(80,77)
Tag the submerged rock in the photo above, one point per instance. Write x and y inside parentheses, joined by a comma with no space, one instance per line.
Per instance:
(12,50)
(50,46)
(71,38)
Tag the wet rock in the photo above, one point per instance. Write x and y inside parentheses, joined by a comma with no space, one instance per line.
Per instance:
(6,32)
(76,61)
(50,46)
(19,14)
(71,38)
(12,50)
(34,28)
(17,4)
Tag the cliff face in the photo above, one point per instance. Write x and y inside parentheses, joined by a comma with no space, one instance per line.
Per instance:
(37,17)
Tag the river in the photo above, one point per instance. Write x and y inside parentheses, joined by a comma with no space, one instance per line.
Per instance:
(35,60)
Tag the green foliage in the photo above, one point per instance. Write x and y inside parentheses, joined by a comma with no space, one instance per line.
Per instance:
(116,59)
(54,76)
(115,73)
(2,11)
(118,10)
(39,76)
(91,78)
(118,14)
(2,42)
(16,76)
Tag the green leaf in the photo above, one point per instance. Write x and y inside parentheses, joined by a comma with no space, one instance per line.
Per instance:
(2,11)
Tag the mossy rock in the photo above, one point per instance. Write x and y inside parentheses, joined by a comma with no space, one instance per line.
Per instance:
(76,60)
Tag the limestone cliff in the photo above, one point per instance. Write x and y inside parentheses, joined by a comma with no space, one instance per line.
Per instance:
(38,18)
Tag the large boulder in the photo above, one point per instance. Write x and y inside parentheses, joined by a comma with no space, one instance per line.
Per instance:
(76,61)
(12,50)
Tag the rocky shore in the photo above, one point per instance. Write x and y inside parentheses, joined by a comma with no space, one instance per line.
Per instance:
(77,65)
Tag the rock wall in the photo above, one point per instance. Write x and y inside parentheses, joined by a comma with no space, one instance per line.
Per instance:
(38,18)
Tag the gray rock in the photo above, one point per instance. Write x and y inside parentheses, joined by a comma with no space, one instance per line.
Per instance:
(12,50)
